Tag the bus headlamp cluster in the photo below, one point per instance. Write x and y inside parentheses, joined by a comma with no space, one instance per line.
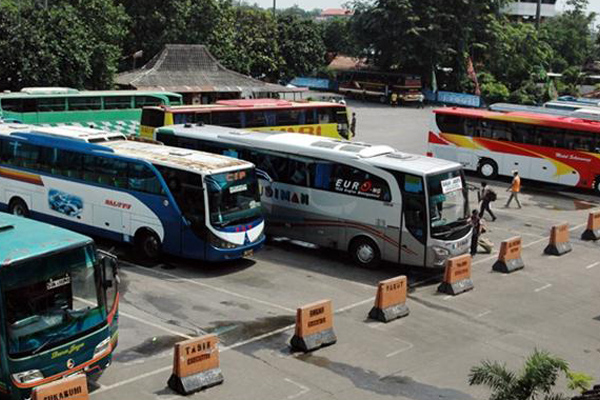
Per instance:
(33,375)
(102,347)
(441,254)
(220,243)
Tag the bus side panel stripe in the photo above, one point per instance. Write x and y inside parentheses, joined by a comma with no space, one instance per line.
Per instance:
(21,176)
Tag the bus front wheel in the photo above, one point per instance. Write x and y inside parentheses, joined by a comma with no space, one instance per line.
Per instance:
(365,252)
(18,207)
(147,244)
(597,186)
(488,169)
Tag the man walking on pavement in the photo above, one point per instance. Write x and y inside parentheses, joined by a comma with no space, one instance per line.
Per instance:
(353,125)
(514,189)
(476,224)
(486,196)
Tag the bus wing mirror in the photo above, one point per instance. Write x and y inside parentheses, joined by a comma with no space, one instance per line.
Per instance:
(110,267)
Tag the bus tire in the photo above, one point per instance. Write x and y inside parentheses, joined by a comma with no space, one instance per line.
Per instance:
(147,244)
(365,253)
(487,168)
(597,186)
(18,207)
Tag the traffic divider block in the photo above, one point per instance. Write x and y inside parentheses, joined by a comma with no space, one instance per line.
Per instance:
(592,232)
(196,365)
(457,276)
(390,302)
(314,326)
(559,241)
(509,259)
(73,387)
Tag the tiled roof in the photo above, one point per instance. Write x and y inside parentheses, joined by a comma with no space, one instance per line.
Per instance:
(191,68)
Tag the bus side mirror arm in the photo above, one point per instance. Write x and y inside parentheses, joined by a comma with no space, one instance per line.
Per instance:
(110,263)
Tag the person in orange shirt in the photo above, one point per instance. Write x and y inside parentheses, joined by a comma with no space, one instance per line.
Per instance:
(514,189)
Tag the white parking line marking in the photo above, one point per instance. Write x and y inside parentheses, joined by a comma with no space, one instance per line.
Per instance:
(406,348)
(483,314)
(303,389)
(215,288)
(592,265)
(143,321)
(224,348)
(543,288)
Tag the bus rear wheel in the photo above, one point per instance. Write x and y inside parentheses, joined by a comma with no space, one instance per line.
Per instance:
(147,244)
(365,253)
(488,169)
(18,207)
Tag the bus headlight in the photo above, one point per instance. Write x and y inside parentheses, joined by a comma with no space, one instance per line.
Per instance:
(441,253)
(101,347)
(33,375)
(220,243)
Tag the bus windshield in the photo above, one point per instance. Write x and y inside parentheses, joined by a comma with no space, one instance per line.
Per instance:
(233,197)
(49,300)
(448,203)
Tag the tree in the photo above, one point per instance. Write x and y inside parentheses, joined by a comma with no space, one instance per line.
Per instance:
(569,35)
(536,380)
(338,37)
(301,46)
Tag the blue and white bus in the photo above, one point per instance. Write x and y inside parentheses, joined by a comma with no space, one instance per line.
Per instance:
(158,198)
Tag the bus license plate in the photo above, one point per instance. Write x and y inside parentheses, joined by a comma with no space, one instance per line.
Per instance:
(248,253)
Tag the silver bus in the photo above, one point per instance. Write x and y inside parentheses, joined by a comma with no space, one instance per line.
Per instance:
(372,201)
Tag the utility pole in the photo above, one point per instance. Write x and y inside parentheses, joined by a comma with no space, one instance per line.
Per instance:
(274,7)
(538,14)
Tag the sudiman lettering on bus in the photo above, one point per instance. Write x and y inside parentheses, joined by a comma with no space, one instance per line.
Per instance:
(286,195)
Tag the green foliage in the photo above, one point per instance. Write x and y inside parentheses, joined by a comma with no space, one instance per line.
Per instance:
(338,37)
(72,43)
(579,381)
(301,46)
(492,91)
(536,380)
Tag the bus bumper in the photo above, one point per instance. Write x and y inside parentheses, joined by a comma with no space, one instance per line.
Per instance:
(215,254)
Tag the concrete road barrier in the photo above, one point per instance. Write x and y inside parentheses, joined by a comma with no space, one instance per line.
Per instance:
(457,276)
(314,326)
(196,365)
(509,258)
(390,302)
(73,387)
(559,240)
(592,232)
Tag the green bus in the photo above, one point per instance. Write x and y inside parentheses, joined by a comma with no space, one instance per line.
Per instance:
(111,110)
(59,304)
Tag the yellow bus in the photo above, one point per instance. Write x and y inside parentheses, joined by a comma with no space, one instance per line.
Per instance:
(313,118)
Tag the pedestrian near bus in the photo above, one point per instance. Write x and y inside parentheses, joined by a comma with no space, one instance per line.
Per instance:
(394,99)
(514,189)
(486,196)
(353,124)
(476,224)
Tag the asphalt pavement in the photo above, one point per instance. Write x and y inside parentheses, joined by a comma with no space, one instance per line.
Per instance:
(250,304)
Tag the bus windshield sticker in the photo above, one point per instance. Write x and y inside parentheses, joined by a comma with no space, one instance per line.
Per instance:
(238,188)
(413,184)
(58,282)
(451,185)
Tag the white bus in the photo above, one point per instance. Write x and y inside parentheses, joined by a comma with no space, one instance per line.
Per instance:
(372,201)
(161,199)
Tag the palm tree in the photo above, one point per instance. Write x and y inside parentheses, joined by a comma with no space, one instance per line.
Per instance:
(534,382)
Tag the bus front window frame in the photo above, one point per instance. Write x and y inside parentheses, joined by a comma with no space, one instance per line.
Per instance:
(438,200)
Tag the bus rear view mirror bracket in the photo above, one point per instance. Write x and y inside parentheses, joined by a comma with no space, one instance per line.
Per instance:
(109,262)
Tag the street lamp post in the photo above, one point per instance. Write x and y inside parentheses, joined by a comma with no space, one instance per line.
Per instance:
(538,14)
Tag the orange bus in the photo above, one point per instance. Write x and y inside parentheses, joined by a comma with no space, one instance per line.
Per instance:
(313,118)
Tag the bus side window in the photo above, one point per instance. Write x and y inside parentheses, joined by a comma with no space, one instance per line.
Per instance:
(270,118)
(310,116)
(414,204)
(84,103)
(153,117)
(471,127)
(66,163)
(51,104)
(117,102)
(232,119)
(27,156)
(142,101)
(255,119)
(143,179)
(321,175)
(450,124)
(325,115)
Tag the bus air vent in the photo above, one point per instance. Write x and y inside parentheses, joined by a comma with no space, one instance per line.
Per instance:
(352,148)
(376,151)
(239,133)
(179,153)
(326,144)
(401,156)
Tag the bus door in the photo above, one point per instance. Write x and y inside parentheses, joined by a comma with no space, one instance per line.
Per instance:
(413,220)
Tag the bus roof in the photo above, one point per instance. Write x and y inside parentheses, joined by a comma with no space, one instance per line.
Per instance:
(251,104)
(551,121)
(54,92)
(22,238)
(319,147)
(98,140)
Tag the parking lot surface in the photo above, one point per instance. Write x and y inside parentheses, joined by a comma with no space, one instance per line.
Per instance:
(251,304)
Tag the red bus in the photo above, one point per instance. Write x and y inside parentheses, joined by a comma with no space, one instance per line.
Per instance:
(546,148)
